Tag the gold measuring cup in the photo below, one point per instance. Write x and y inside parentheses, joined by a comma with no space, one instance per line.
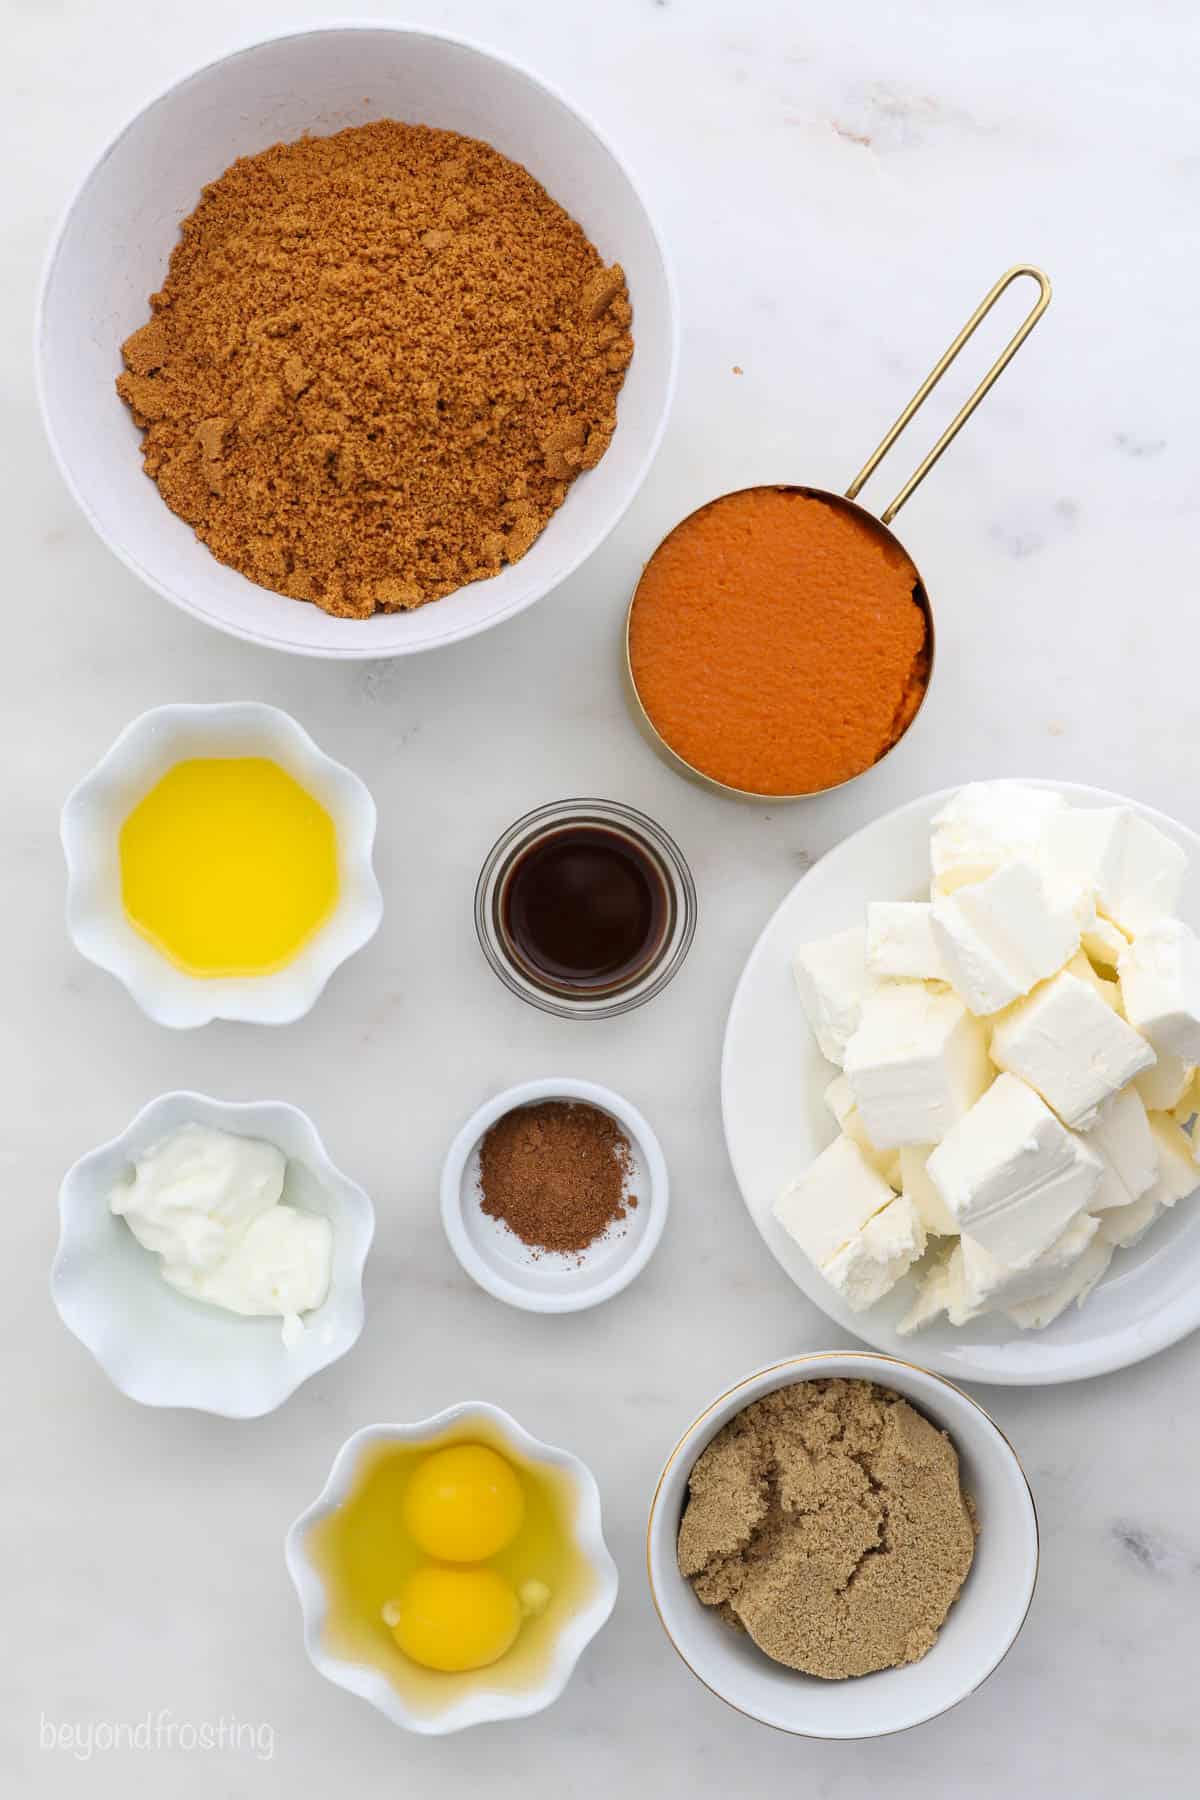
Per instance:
(847,502)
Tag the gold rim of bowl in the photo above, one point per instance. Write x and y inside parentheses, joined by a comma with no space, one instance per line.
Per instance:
(792,1362)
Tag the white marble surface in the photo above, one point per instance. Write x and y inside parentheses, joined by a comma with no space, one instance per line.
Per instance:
(839,185)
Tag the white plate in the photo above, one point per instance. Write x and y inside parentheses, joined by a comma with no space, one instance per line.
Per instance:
(773,1078)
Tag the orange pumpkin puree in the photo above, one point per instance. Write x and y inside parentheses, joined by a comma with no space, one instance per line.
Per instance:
(776,641)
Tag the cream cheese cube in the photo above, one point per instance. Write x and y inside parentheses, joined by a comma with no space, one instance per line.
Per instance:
(1000,936)
(878,1256)
(1164,1087)
(916,1063)
(832,1201)
(1177,1175)
(1186,1112)
(1109,991)
(915,1183)
(985,825)
(1065,1042)
(990,1285)
(1011,1175)
(1160,985)
(1033,1315)
(932,1301)
(900,942)
(940,1296)
(1176,1179)
(833,979)
(1102,941)
(1134,871)
(1124,1142)
(839,1098)
(1125,1226)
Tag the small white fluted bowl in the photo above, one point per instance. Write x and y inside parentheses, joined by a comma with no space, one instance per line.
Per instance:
(479,1698)
(980,1627)
(90,828)
(157,1345)
(114,244)
(545,1281)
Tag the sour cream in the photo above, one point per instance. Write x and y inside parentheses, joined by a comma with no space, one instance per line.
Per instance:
(209,1205)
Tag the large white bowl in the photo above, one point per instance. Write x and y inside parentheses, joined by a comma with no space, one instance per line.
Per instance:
(980,1626)
(163,1348)
(478,1698)
(112,249)
(773,1078)
(90,829)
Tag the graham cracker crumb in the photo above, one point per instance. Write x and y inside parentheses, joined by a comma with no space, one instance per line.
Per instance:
(397,326)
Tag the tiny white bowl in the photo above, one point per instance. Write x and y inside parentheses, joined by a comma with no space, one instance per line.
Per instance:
(980,1627)
(548,1281)
(157,1345)
(112,249)
(479,1698)
(90,828)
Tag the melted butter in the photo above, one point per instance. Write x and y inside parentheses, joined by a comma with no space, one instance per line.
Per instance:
(363,1555)
(228,866)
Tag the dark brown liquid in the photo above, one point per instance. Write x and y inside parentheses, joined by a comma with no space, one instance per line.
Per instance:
(584,907)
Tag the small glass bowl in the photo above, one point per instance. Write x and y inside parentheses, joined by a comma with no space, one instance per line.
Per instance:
(644,983)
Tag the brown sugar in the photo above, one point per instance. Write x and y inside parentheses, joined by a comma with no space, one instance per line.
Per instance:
(827,1521)
(556,1173)
(776,642)
(377,363)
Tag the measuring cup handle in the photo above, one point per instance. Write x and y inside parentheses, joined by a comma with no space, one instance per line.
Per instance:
(935,375)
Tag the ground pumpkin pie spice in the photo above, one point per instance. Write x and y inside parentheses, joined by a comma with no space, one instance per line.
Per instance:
(377,363)
(557,1173)
(827,1521)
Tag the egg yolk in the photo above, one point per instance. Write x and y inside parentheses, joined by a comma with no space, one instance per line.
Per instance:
(456,1619)
(463,1504)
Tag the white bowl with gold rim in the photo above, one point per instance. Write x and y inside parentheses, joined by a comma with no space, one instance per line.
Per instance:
(980,1628)
(91,822)
(163,1348)
(484,1695)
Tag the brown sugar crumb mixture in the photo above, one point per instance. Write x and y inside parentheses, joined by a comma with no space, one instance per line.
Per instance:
(377,363)
(827,1521)
(557,1174)
(776,641)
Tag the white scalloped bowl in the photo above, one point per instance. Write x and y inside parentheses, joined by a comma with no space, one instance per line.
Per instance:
(479,1698)
(91,822)
(160,1347)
